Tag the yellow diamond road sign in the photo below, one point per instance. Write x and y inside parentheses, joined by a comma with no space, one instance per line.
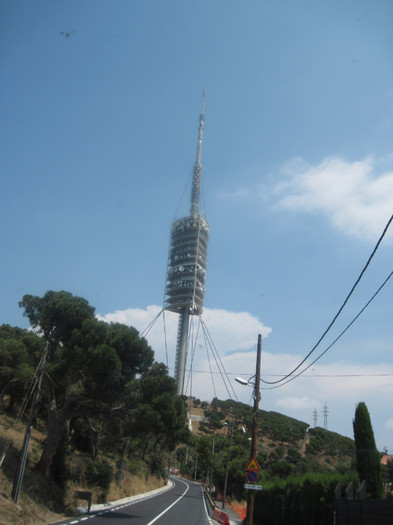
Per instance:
(253,465)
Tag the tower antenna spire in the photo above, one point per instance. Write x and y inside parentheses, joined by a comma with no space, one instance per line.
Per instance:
(197,170)
(185,283)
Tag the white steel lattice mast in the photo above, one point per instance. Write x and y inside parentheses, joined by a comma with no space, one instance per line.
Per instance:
(185,281)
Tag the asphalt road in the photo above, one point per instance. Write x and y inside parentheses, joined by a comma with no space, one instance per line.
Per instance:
(182,504)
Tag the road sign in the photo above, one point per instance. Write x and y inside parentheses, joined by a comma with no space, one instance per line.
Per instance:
(253,465)
(252,476)
(252,487)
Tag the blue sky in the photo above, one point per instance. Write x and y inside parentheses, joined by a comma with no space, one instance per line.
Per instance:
(99,111)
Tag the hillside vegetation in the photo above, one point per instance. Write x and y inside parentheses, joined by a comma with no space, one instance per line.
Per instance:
(286,446)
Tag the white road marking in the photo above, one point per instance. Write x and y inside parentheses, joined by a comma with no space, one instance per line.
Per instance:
(170,506)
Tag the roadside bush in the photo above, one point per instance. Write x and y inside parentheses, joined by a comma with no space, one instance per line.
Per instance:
(99,473)
(299,500)
(157,465)
(134,465)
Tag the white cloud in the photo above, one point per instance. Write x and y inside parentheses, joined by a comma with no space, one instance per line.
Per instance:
(296,403)
(340,385)
(389,424)
(356,199)
(140,318)
(229,331)
(158,327)
(236,330)
(237,195)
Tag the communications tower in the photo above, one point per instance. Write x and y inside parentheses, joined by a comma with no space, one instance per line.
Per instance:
(184,291)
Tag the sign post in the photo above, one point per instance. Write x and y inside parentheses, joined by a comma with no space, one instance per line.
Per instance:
(253,462)
(252,470)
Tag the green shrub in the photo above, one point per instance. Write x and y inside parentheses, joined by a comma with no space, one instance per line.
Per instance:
(99,473)
(134,465)
(158,465)
(299,500)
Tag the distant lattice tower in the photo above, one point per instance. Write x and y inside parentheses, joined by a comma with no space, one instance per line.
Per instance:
(185,280)
(315,417)
(325,413)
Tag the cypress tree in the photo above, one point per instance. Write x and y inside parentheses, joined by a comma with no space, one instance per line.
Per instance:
(367,456)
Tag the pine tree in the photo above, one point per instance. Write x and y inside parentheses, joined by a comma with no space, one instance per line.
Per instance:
(367,455)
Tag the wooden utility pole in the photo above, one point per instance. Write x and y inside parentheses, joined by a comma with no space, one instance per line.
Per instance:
(20,471)
(224,496)
(250,497)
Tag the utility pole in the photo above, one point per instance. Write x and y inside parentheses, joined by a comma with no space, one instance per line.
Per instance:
(250,497)
(196,465)
(211,468)
(25,447)
(227,467)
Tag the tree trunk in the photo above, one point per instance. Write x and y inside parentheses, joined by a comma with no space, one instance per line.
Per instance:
(93,439)
(57,422)
(56,425)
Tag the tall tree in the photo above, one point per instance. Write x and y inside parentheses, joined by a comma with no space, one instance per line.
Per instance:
(91,363)
(367,456)
(56,315)
(160,418)
(19,353)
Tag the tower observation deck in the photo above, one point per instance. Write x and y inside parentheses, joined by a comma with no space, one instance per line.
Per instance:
(184,291)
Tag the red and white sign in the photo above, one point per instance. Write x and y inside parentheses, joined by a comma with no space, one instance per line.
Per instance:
(253,465)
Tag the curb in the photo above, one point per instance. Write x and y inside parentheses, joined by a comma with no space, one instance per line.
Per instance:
(146,495)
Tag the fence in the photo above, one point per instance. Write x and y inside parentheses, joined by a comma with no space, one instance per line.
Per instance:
(361,511)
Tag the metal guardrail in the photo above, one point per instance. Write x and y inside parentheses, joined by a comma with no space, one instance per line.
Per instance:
(217,514)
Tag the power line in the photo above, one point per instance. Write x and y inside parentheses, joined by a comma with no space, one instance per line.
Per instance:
(29,394)
(289,379)
(283,378)
(320,355)
(311,376)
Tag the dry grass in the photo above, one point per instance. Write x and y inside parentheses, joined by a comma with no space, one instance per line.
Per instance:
(29,510)
(40,502)
(130,486)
